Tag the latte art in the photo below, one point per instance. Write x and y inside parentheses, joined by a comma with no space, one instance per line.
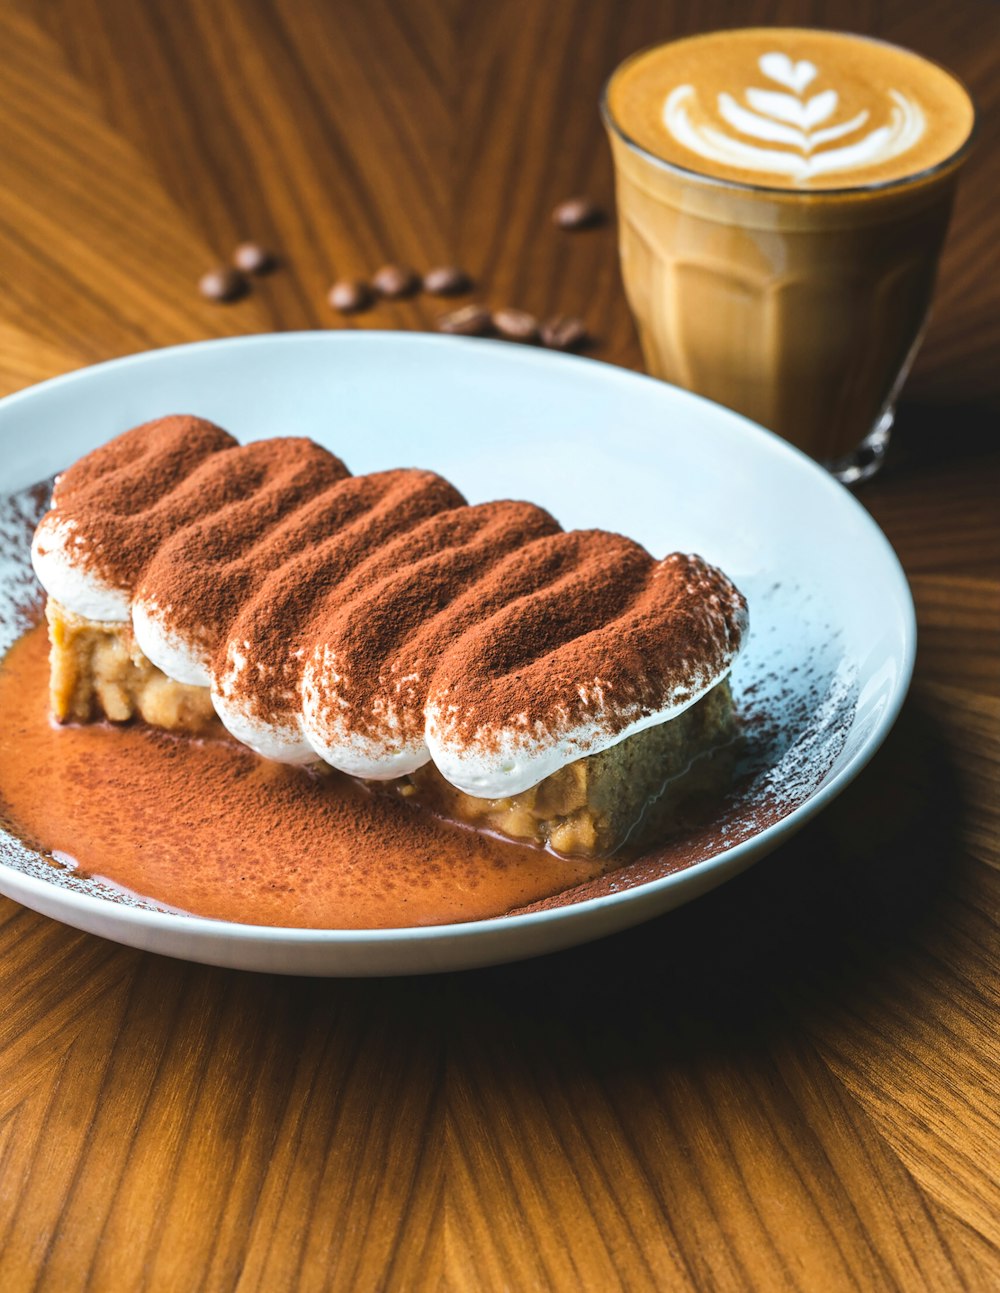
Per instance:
(779,241)
(787,117)
(790,108)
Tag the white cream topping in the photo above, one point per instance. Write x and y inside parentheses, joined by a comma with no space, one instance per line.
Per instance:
(179,658)
(283,744)
(740,135)
(514,760)
(68,581)
(313,720)
(328,725)
(281,739)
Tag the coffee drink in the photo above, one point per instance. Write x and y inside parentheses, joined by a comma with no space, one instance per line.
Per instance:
(783,196)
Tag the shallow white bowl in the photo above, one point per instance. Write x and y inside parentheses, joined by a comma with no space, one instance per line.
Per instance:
(596,445)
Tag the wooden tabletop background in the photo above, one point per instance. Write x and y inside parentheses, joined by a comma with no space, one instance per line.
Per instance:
(790,1084)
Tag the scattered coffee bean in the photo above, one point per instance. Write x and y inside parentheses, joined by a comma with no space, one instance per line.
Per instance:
(349,295)
(222,284)
(562,332)
(395,281)
(446,280)
(468,321)
(577,213)
(515,325)
(252,258)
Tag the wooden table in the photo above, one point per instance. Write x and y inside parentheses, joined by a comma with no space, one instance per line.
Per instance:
(792,1083)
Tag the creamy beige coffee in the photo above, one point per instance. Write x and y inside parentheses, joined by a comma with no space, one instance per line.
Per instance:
(783,196)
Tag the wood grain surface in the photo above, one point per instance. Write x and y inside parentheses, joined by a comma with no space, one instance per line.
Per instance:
(791,1084)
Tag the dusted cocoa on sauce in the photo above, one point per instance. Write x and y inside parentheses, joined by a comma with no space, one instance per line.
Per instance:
(208,828)
(120,801)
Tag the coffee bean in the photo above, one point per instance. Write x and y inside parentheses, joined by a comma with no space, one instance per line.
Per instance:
(469,321)
(446,280)
(515,325)
(222,284)
(349,295)
(562,332)
(577,213)
(252,258)
(395,281)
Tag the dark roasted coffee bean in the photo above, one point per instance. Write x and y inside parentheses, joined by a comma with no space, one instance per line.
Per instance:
(252,258)
(469,321)
(577,213)
(349,296)
(515,325)
(446,280)
(562,332)
(222,284)
(395,281)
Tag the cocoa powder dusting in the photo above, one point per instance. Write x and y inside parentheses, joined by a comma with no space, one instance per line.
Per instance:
(616,632)
(206,828)
(362,515)
(409,591)
(792,728)
(268,556)
(207,570)
(244,839)
(115,494)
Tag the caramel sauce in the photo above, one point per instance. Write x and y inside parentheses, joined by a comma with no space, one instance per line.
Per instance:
(207,828)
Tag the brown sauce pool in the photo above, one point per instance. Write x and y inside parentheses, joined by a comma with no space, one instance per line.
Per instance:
(207,828)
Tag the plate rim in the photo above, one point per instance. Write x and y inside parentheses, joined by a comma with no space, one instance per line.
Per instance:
(730,859)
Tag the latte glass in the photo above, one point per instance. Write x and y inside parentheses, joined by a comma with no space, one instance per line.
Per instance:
(799,306)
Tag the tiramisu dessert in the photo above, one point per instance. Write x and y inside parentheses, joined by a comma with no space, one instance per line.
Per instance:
(477,661)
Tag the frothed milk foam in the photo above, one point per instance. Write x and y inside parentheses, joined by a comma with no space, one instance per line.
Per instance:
(783,196)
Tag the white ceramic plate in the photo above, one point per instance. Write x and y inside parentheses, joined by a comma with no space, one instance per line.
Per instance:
(833,632)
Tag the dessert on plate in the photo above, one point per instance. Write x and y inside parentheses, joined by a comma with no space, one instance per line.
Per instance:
(550,686)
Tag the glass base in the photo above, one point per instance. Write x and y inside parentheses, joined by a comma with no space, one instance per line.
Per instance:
(865,461)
